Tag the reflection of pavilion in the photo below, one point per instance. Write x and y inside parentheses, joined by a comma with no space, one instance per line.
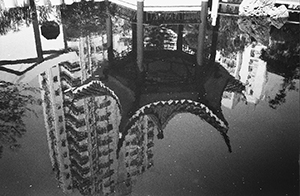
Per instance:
(147,123)
(82,125)
(138,13)
(134,11)
(82,115)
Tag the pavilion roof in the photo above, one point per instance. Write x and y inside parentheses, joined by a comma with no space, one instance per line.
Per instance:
(149,5)
(6,4)
(162,5)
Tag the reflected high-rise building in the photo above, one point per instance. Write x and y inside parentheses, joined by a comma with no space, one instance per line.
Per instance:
(233,65)
(253,73)
(82,115)
(250,70)
(146,125)
(136,153)
(82,124)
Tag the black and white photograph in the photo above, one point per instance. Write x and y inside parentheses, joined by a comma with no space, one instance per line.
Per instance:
(149,97)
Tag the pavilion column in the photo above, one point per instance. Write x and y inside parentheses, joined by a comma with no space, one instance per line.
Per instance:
(109,34)
(140,80)
(202,31)
(214,12)
(179,38)
(37,37)
(64,30)
(140,35)
(214,41)
(134,39)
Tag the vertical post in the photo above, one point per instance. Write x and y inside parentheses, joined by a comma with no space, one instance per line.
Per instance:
(37,37)
(140,35)
(64,31)
(214,41)
(139,53)
(214,12)
(134,39)
(64,35)
(109,34)
(202,31)
(179,38)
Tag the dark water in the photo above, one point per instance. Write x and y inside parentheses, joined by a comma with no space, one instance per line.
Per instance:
(192,158)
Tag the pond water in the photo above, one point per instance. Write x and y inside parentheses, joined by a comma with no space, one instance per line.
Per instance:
(192,158)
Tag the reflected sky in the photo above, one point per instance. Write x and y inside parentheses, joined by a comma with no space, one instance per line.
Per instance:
(97,133)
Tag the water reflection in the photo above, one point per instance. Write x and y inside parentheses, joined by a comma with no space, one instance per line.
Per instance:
(15,101)
(82,124)
(101,130)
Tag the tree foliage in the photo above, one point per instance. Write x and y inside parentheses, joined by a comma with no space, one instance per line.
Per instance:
(230,38)
(158,36)
(283,58)
(283,54)
(12,19)
(83,18)
(288,84)
(15,101)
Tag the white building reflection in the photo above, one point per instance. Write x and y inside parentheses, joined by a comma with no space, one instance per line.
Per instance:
(247,67)
(253,73)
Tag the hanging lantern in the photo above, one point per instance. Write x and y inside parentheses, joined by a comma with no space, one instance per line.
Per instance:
(50,30)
